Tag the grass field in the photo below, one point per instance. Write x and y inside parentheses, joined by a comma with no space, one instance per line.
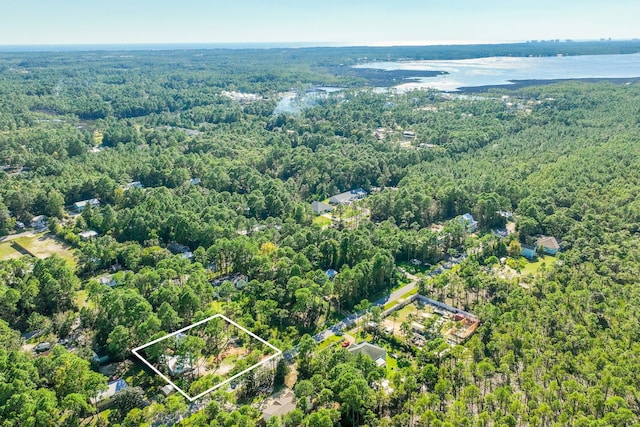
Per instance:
(8,252)
(44,245)
(322,221)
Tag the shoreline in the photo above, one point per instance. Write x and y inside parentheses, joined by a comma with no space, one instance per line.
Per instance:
(518,84)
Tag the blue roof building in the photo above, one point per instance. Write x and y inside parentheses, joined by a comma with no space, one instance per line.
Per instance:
(331,273)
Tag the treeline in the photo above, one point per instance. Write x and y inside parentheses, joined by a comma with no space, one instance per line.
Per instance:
(557,348)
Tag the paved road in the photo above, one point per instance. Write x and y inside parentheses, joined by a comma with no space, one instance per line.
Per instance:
(28,233)
(354,318)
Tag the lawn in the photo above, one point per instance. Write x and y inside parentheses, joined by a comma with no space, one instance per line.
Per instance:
(332,340)
(8,252)
(44,245)
(392,364)
(534,267)
(322,221)
(405,311)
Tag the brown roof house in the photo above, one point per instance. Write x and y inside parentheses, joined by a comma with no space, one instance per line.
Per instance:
(549,245)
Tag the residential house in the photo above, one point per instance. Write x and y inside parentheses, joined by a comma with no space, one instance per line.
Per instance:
(280,406)
(418,328)
(528,251)
(549,245)
(39,221)
(134,184)
(167,390)
(177,365)
(501,232)
(506,214)
(377,354)
(112,388)
(81,205)
(100,360)
(472,224)
(177,248)
(331,273)
(108,280)
(348,197)
(320,208)
(88,235)
(238,280)
(407,134)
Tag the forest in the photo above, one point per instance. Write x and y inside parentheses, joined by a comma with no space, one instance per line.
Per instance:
(203,205)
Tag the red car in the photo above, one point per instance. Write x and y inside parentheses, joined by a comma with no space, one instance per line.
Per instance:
(346,344)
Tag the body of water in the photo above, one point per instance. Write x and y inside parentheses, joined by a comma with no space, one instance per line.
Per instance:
(503,70)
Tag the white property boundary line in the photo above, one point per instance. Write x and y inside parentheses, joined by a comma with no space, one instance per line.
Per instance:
(228,380)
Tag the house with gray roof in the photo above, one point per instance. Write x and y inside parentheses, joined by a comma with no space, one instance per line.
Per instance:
(348,197)
(285,403)
(320,208)
(81,205)
(88,235)
(377,354)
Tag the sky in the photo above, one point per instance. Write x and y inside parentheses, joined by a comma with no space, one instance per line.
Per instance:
(325,22)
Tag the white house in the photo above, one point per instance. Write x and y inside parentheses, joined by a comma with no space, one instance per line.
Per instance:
(112,388)
(88,235)
(39,221)
(81,205)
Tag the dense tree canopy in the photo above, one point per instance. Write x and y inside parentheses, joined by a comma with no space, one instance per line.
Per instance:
(233,181)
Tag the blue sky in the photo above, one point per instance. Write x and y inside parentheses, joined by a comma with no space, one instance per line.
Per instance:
(327,21)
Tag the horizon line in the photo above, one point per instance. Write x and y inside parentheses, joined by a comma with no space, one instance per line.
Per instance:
(33,47)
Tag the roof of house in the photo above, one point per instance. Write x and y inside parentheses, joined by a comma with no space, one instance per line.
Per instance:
(331,273)
(373,351)
(88,234)
(320,206)
(280,406)
(468,217)
(112,388)
(177,248)
(348,196)
(133,184)
(107,280)
(178,365)
(548,242)
(92,202)
(167,389)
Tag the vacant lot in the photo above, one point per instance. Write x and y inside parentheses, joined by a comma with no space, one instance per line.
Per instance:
(44,245)
(207,354)
(7,251)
